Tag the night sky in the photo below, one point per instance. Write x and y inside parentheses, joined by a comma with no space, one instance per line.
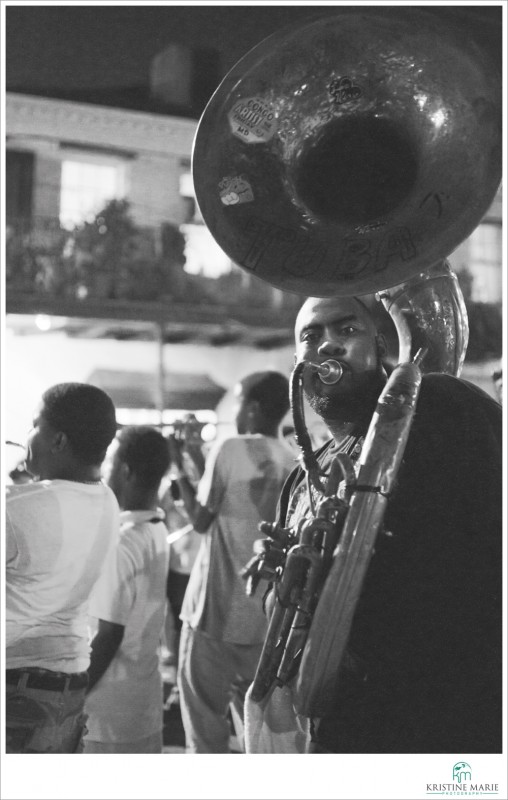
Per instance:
(80,47)
(106,46)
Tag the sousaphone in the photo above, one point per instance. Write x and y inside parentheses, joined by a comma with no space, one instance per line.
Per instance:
(350,153)
(350,156)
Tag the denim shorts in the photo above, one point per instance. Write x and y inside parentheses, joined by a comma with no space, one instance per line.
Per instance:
(40,720)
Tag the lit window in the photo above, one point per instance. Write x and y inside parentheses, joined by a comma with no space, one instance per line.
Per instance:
(485,263)
(187,185)
(187,191)
(486,244)
(203,256)
(86,188)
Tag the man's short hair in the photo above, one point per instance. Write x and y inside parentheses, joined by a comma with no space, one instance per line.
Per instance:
(85,414)
(272,393)
(146,452)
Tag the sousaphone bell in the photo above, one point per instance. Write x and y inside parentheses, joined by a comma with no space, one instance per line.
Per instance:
(349,153)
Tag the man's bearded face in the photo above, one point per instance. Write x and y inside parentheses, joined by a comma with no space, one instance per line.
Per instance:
(341,329)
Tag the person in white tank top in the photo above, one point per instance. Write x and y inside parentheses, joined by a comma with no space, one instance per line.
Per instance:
(60,532)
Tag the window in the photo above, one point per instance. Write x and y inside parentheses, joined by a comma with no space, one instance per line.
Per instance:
(86,187)
(202,253)
(485,263)
(203,256)
(19,170)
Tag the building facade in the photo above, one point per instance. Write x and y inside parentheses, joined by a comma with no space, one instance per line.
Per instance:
(67,160)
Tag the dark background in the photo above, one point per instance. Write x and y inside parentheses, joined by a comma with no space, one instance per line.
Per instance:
(67,50)
(70,46)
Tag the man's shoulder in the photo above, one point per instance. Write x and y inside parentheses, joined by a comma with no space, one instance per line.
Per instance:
(452,392)
(232,445)
(270,446)
(454,416)
(137,532)
(58,486)
(26,492)
(17,491)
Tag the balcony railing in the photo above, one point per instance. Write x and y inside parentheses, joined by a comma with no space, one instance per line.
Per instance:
(139,274)
(141,270)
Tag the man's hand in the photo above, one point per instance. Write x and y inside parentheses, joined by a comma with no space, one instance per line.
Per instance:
(175,451)
(104,647)
(187,437)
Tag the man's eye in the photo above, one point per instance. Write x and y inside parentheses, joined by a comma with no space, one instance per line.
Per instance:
(310,336)
(349,330)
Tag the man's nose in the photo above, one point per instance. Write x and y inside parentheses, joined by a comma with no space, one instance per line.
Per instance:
(331,347)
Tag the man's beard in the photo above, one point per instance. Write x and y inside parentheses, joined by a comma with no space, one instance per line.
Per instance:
(356,406)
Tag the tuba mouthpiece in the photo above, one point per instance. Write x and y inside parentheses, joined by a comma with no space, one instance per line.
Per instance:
(329,371)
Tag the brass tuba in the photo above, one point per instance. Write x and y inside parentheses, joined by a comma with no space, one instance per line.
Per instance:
(350,156)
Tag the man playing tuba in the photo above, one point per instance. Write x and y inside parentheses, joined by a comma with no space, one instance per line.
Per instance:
(422,670)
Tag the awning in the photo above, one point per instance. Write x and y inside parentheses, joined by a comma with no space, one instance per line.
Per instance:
(181,390)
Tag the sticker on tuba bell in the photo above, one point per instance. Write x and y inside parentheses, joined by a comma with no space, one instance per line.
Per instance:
(252,120)
(235,190)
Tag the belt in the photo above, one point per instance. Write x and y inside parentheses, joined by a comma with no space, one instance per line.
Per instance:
(51,681)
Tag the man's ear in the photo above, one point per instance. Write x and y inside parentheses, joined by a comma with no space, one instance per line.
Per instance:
(252,407)
(381,345)
(60,442)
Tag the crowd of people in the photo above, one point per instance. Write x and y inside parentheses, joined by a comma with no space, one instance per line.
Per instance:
(100,550)
(93,592)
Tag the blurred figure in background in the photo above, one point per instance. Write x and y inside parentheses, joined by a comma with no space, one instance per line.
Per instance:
(124,700)
(184,543)
(224,630)
(20,474)
(183,540)
(60,530)
(497,380)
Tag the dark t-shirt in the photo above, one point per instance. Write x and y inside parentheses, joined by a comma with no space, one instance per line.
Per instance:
(426,640)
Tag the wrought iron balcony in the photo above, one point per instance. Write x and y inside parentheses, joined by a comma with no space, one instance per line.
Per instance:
(111,269)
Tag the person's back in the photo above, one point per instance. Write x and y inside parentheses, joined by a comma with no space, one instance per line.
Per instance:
(60,533)
(223,628)
(59,536)
(124,701)
(241,484)
(127,700)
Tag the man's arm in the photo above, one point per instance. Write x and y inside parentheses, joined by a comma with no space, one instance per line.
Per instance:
(200,516)
(104,647)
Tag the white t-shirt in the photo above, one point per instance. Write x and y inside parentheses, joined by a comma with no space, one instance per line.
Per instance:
(59,535)
(126,703)
(241,486)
